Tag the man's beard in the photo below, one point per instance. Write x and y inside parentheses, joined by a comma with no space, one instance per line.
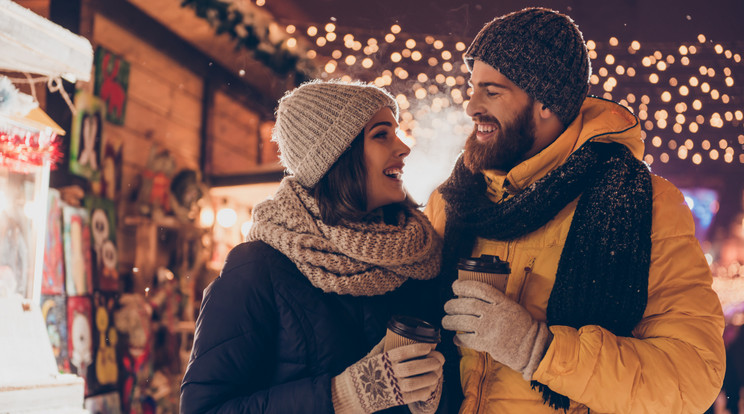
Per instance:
(513,141)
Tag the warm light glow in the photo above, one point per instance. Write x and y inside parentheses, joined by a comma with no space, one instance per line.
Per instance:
(696,104)
(683,50)
(705,145)
(446,55)
(395,29)
(206,217)
(649,159)
(416,55)
(291,42)
(701,38)
(350,60)
(591,45)
(395,57)
(321,41)
(613,41)
(729,81)
(684,90)
(336,54)
(713,154)
(653,78)
(330,67)
(330,27)
(290,29)
(438,44)
(410,43)
(226,217)
(635,45)
(682,153)
(664,157)
(661,65)
(693,127)
(460,46)
(697,158)
(602,72)
(609,59)
(367,63)
(666,96)
(390,38)
(447,66)
(312,31)
(656,141)
(330,36)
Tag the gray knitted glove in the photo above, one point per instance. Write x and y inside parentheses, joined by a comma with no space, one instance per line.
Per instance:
(486,320)
(388,379)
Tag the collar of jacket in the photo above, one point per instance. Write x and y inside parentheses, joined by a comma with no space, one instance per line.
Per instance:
(599,120)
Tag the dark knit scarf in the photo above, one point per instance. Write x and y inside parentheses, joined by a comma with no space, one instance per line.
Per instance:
(602,275)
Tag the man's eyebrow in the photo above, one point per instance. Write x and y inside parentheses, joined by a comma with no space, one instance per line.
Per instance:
(487,84)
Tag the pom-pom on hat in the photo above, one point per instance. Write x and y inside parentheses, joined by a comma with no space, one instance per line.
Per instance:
(543,52)
(316,123)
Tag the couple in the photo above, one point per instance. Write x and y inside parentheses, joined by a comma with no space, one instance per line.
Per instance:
(609,306)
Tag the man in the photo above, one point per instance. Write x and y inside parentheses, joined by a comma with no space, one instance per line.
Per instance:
(609,306)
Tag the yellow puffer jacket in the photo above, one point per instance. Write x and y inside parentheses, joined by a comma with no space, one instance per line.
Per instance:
(675,361)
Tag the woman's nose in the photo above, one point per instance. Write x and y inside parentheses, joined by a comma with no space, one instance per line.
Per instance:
(402,150)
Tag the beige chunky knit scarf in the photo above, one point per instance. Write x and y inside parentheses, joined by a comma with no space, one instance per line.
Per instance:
(363,258)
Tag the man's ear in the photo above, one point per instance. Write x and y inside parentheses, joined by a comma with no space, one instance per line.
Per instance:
(544,111)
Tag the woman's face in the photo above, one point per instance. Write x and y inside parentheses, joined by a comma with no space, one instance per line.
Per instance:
(383,157)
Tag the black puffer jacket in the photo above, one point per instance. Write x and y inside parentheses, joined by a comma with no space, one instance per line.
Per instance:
(267,341)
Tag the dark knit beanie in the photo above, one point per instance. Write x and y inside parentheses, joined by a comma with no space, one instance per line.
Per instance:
(541,51)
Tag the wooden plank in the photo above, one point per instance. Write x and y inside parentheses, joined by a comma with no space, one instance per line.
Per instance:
(186,109)
(122,42)
(150,90)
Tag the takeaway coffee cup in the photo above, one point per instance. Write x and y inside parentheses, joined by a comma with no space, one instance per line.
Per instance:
(406,330)
(486,268)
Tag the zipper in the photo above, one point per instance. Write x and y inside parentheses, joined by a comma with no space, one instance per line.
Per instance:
(479,395)
(527,273)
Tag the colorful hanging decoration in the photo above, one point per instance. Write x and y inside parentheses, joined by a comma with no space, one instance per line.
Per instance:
(24,143)
(253,30)
(112,81)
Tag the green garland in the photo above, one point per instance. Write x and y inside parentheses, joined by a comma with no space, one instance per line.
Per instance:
(226,19)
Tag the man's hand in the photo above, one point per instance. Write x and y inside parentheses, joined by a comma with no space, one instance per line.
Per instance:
(486,320)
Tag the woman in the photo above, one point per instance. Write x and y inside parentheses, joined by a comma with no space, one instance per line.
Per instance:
(291,325)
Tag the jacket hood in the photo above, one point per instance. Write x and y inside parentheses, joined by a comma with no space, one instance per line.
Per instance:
(599,120)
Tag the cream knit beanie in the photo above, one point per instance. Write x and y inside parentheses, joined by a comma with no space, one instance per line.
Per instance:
(316,123)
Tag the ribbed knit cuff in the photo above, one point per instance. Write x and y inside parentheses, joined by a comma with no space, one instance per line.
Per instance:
(543,338)
(344,396)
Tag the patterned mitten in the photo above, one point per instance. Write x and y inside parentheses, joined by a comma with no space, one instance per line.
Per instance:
(486,320)
(430,405)
(403,375)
